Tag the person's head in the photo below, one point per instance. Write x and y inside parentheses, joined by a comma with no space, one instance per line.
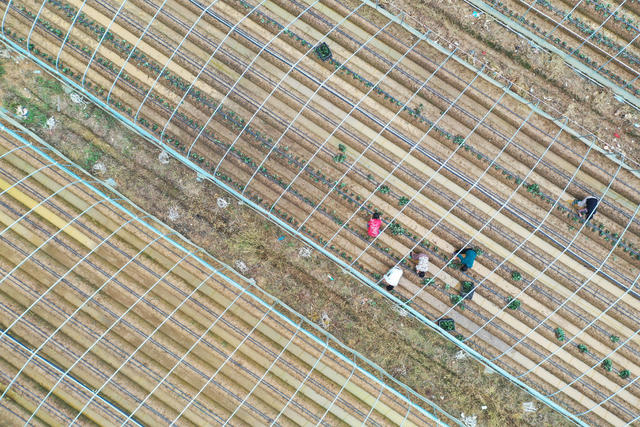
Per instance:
(464,268)
(421,274)
(376,215)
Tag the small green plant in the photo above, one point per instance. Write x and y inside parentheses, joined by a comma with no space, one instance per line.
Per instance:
(457,299)
(582,348)
(466,287)
(614,338)
(459,337)
(447,324)
(559,334)
(384,189)
(342,148)
(396,228)
(339,158)
(428,281)
(403,201)
(624,374)
(607,364)
(533,188)
(455,265)
(458,139)
(514,304)
(323,51)
(516,276)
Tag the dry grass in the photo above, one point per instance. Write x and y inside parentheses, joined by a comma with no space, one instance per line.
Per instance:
(357,315)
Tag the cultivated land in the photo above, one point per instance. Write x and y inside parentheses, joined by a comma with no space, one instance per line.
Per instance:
(536,73)
(601,35)
(100,298)
(350,310)
(401,127)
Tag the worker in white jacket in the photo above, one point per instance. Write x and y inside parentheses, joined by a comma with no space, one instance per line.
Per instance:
(392,278)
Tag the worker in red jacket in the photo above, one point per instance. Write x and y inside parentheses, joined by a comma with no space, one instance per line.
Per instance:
(374,225)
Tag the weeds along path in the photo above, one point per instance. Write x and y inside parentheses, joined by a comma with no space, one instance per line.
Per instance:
(109,316)
(388,124)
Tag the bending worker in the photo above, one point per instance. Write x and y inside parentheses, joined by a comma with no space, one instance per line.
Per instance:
(587,207)
(467,257)
(422,262)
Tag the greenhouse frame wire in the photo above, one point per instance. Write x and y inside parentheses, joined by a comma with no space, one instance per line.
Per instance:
(177,244)
(423,37)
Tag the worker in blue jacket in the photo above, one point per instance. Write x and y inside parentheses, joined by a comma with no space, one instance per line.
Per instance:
(467,257)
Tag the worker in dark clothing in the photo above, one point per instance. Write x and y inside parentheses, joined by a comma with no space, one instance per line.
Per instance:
(467,257)
(587,207)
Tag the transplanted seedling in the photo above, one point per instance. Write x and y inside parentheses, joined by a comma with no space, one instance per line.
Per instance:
(428,281)
(339,158)
(514,304)
(403,201)
(457,299)
(396,228)
(447,324)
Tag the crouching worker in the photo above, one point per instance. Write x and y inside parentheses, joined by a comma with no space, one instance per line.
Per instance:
(374,224)
(467,258)
(392,278)
(587,207)
(422,262)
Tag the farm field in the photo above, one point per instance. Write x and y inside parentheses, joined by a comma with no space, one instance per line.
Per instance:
(602,35)
(315,286)
(536,73)
(392,123)
(110,317)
